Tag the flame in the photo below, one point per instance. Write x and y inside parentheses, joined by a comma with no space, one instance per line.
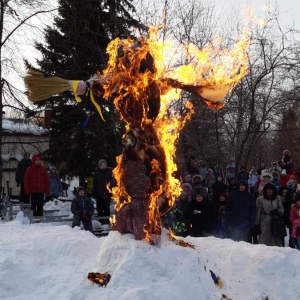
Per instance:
(178,241)
(144,72)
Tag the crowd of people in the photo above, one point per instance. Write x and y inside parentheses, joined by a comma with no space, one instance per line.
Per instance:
(257,206)
(260,206)
(39,185)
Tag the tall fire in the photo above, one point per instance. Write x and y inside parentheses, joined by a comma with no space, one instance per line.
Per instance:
(142,86)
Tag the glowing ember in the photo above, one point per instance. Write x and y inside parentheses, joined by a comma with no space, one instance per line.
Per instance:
(178,241)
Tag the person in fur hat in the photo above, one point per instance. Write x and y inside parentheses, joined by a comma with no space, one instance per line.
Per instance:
(265,177)
(82,208)
(265,207)
(200,213)
(240,212)
(197,181)
(186,187)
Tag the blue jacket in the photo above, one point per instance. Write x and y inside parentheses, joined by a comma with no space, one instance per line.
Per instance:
(55,186)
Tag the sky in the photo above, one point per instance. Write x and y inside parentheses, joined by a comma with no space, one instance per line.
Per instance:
(45,261)
(225,10)
(288,9)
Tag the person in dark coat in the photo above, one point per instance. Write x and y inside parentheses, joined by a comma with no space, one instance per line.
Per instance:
(240,212)
(218,187)
(102,178)
(200,213)
(20,175)
(232,185)
(36,184)
(83,209)
(243,175)
(193,168)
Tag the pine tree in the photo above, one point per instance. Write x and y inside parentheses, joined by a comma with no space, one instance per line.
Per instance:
(75,48)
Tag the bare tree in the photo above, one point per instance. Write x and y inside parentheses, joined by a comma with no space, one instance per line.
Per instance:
(19,21)
(252,109)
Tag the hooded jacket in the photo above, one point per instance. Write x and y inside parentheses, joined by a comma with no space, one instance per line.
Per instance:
(265,204)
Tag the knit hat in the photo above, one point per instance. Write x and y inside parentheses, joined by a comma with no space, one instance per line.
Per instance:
(80,188)
(35,157)
(102,161)
(286,152)
(199,190)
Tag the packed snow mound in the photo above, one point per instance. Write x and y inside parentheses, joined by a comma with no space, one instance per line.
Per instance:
(44,261)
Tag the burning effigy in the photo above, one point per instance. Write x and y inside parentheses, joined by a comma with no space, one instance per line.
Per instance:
(140,83)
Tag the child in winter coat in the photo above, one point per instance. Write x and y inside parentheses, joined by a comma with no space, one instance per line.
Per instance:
(175,219)
(82,208)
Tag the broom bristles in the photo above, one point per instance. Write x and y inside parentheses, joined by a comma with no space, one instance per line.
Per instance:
(40,87)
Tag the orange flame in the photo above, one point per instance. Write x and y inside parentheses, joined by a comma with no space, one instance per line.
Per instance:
(211,73)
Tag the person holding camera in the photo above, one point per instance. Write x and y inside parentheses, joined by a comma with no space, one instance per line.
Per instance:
(200,213)
(83,209)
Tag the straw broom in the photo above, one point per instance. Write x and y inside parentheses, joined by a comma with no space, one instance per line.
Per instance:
(41,87)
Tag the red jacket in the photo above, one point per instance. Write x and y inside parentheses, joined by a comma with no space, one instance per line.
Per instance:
(283,180)
(294,213)
(294,229)
(36,180)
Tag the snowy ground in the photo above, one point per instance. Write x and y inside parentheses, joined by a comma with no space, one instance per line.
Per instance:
(46,261)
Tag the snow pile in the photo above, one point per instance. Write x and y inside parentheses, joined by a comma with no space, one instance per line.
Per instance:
(44,261)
